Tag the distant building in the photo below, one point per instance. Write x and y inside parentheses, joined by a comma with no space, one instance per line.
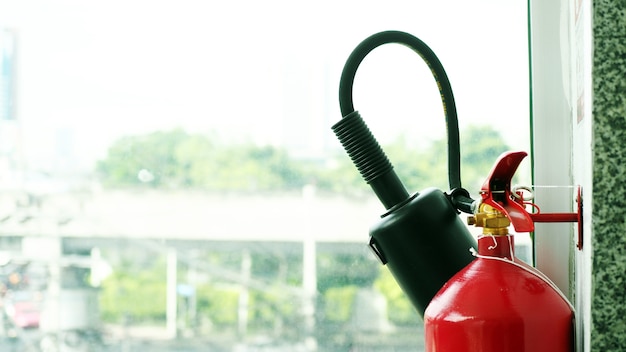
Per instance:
(9,127)
(7,75)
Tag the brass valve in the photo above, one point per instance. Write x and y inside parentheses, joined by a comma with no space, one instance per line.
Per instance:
(493,222)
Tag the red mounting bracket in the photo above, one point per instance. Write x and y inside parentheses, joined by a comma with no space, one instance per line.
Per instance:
(566,217)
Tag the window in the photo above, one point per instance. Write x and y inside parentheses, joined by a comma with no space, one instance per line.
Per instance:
(170,180)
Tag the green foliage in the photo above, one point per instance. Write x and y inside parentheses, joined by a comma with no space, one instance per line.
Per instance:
(177,159)
(134,293)
(154,153)
(479,152)
(338,303)
(480,147)
(399,308)
(416,168)
(341,177)
(266,307)
(340,270)
(218,304)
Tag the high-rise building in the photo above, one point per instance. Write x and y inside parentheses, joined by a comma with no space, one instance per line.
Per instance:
(7,75)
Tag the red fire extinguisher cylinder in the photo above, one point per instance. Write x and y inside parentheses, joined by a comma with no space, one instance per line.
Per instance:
(498,306)
(498,303)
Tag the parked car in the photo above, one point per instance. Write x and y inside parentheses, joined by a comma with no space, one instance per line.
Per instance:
(24,308)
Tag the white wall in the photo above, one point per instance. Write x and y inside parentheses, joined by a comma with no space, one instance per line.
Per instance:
(561,88)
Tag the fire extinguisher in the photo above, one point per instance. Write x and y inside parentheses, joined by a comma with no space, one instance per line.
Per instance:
(497,302)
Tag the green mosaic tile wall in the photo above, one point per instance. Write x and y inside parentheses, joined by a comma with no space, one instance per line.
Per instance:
(608,331)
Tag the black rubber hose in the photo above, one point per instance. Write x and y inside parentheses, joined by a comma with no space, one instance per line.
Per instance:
(370,160)
(354,60)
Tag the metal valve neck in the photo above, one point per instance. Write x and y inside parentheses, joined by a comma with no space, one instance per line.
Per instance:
(492,221)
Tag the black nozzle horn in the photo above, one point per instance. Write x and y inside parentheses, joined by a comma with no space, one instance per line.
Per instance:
(370,159)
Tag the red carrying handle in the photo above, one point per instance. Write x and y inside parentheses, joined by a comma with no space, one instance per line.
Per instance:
(496,191)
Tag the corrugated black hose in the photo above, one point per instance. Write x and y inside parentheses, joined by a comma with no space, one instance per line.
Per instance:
(362,147)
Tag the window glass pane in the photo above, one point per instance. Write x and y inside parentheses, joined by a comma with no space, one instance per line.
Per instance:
(169,179)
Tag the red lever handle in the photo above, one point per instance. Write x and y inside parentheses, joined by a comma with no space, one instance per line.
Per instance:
(496,191)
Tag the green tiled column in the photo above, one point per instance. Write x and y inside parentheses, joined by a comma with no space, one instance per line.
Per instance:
(608,308)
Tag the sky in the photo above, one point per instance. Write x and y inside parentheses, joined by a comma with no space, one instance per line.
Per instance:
(89,72)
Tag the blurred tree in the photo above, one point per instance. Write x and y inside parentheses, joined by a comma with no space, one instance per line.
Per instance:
(176,159)
(422,166)
(218,305)
(338,270)
(480,147)
(135,292)
(147,159)
(338,303)
(400,310)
